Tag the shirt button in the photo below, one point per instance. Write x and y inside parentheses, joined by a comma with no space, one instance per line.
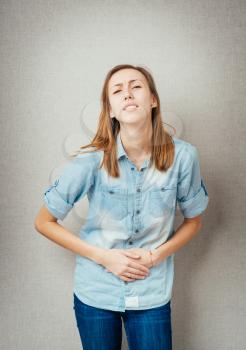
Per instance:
(142,169)
(132,168)
(138,211)
(136,230)
(138,190)
(130,242)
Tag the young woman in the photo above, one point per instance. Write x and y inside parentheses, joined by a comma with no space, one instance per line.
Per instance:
(134,174)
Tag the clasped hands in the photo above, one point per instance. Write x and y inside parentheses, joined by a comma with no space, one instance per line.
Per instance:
(128,264)
(141,255)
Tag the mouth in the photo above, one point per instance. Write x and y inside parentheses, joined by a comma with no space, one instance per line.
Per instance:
(130,108)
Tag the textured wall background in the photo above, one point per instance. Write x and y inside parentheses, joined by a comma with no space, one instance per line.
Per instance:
(54,57)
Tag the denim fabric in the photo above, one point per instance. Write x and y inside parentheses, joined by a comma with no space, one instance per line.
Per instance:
(102,329)
(135,210)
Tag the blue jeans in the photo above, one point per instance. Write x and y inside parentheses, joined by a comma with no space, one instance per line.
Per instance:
(101,329)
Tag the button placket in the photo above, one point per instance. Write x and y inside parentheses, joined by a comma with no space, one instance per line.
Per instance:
(138,205)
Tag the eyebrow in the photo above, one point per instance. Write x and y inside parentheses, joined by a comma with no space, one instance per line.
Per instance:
(130,81)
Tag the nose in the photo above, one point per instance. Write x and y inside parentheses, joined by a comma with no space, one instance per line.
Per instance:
(127,93)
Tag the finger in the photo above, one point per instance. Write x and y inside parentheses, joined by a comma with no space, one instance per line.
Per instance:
(127,279)
(136,271)
(139,266)
(133,275)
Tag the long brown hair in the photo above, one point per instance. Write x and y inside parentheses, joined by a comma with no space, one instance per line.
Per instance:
(162,153)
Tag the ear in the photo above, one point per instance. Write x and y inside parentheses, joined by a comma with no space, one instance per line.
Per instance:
(111,114)
(154,102)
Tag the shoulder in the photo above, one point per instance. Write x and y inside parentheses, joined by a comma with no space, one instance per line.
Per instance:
(184,149)
(87,156)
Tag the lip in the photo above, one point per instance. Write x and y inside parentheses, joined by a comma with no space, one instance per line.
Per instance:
(130,104)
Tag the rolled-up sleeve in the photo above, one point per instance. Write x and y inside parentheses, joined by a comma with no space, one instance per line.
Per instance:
(72,185)
(192,194)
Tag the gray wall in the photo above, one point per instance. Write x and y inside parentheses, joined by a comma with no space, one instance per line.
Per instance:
(54,57)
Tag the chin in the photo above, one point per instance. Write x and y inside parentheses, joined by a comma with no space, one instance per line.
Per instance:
(131,120)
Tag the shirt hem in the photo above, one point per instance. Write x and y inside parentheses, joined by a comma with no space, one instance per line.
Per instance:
(118,308)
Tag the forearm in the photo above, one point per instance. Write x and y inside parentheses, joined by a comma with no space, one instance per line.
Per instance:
(182,236)
(60,235)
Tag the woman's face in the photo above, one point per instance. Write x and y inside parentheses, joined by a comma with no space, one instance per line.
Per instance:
(130,86)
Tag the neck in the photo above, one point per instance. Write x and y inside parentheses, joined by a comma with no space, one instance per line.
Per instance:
(137,143)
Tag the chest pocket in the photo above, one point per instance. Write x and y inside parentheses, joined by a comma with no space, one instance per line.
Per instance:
(115,201)
(162,200)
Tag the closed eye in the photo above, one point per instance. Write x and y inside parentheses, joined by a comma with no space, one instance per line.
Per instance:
(137,86)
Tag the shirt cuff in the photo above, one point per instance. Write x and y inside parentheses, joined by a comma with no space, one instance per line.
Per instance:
(195,205)
(55,203)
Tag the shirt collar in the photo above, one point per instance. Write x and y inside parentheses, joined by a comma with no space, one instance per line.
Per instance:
(121,151)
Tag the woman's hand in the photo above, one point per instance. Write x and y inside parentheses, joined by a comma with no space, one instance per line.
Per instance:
(145,258)
(124,265)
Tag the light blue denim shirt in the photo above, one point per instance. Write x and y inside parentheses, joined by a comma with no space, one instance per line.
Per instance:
(136,210)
